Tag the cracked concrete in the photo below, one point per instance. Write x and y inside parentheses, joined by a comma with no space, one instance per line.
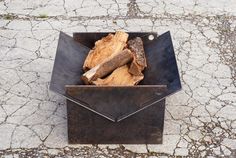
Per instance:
(200,120)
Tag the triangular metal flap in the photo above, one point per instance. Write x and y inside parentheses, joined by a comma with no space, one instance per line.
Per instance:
(162,66)
(116,102)
(68,63)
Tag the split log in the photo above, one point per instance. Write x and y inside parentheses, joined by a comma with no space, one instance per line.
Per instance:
(108,66)
(104,48)
(139,62)
(120,76)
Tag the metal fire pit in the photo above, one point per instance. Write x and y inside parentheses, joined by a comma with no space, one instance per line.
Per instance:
(115,114)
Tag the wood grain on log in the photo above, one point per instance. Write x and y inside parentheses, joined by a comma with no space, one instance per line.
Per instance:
(120,76)
(139,62)
(108,66)
(104,48)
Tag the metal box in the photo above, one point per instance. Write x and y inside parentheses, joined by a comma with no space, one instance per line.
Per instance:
(115,114)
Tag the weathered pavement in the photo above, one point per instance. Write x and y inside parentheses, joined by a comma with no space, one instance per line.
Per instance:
(200,120)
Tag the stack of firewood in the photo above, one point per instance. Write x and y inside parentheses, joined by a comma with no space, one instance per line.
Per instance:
(115,61)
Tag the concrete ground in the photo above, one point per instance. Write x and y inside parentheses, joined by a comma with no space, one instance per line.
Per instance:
(200,120)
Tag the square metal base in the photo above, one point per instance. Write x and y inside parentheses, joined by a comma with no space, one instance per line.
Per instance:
(86,127)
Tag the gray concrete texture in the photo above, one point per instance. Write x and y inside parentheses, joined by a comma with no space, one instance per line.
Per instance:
(200,120)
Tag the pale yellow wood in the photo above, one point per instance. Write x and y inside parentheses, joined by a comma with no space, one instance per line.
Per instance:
(104,48)
(120,76)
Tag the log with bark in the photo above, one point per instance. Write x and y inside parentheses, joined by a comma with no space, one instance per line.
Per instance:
(104,48)
(139,62)
(107,66)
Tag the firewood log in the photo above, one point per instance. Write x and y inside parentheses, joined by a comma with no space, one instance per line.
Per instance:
(139,62)
(104,48)
(108,66)
(119,76)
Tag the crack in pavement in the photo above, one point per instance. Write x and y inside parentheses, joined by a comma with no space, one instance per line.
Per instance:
(202,123)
